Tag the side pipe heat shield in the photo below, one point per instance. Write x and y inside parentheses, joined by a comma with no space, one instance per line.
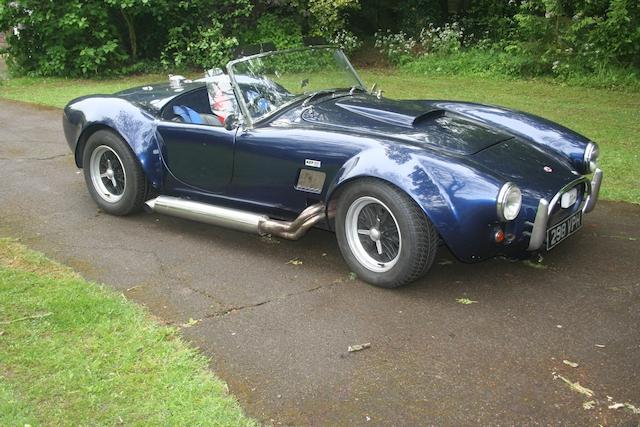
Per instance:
(236,219)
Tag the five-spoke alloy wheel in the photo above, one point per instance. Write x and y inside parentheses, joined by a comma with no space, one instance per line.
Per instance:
(384,236)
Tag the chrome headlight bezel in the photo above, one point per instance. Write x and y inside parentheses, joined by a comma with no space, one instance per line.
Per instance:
(509,202)
(590,159)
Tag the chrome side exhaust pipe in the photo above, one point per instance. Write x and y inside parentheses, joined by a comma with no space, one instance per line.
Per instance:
(293,230)
(237,219)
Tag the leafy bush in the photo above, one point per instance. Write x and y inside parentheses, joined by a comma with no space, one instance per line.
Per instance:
(347,41)
(47,41)
(485,63)
(93,37)
(489,21)
(579,38)
(446,39)
(562,39)
(594,43)
(206,46)
(284,32)
(328,16)
(398,47)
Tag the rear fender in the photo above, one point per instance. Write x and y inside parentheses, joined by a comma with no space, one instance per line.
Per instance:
(136,127)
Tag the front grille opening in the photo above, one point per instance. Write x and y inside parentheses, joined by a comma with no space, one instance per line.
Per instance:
(558,213)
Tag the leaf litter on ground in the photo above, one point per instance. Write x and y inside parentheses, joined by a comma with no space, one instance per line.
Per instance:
(358,347)
(575,386)
(535,264)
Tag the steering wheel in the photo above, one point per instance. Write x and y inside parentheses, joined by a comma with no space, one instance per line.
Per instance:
(259,104)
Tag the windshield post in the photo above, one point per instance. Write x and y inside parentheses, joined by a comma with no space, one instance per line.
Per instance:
(353,70)
(246,122)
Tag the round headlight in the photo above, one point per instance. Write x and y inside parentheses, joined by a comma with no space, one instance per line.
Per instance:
(591,155)
(509,202)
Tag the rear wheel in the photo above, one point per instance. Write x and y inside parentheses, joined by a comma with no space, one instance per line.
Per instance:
(113,176)
(383,234)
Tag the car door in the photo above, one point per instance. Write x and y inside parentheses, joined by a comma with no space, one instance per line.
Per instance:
(197,155)
(285,169)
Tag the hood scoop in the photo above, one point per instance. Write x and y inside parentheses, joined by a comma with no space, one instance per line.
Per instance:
(399,113)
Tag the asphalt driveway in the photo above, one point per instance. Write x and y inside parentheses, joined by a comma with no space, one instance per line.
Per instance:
(278,331)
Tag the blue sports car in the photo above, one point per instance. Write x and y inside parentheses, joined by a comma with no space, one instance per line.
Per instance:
(283,141)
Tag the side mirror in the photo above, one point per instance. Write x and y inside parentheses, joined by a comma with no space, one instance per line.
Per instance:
(231,122)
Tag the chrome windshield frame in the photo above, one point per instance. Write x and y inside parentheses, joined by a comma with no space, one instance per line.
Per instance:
(248,121)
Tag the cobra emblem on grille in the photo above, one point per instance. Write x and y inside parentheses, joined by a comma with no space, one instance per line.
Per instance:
(547,169)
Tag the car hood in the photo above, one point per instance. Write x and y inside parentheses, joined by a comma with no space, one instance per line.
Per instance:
(411,121)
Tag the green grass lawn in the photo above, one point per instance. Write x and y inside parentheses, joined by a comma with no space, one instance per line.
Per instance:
(612,118)
(75,353)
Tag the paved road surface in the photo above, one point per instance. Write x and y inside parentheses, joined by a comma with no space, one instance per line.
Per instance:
(278,333)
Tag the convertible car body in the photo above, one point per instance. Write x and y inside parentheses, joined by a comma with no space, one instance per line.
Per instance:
(283,141)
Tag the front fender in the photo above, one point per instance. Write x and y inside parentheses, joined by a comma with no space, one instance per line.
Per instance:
(83,116)
(457,197)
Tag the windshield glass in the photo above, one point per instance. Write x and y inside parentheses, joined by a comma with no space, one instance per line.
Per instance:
(269,82)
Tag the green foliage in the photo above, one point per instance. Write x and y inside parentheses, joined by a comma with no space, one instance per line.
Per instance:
(346,40)
(570,40)
(328,16)
(93,37)
(512,64)
(398,47)
(593,42)
(48,37)
(201,32)
(488,21)
(205,46)
(416,14)
(284,32)
(442,40)
(578,38)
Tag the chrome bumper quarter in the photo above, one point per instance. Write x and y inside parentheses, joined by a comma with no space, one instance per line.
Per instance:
(540,223)
(539,226)
(595,190)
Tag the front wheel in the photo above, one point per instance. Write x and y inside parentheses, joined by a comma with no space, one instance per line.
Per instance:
(383,235)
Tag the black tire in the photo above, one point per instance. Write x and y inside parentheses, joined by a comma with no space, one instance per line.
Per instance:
(418,237)
(132,196)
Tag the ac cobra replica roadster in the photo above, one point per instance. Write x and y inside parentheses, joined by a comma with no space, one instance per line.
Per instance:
(284,141)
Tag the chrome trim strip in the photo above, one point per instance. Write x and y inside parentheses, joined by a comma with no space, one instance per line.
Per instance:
(595,190)
(539,231)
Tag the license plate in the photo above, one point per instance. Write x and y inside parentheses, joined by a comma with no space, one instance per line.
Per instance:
(564,229)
